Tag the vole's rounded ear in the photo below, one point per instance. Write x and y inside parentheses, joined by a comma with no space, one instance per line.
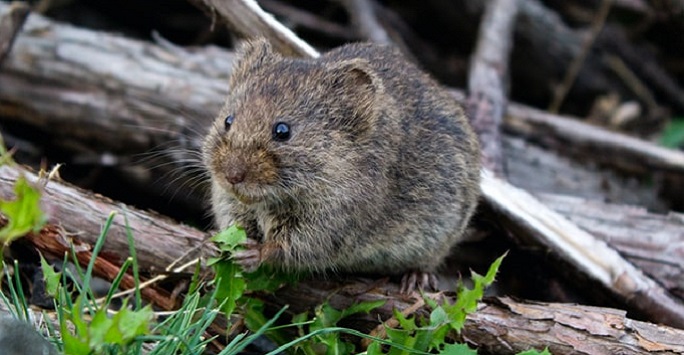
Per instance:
(355,85)
(251,54)
(355,76)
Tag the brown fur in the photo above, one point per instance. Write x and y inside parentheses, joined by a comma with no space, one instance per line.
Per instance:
(380,174)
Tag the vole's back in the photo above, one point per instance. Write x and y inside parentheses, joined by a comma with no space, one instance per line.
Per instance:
(435,177)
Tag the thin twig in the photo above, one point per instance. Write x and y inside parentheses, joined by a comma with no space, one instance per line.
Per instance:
(614,40)
(562,90)
(308,20)
(631,80)
(248,19)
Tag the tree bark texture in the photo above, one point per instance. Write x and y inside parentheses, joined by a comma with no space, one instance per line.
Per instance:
(506,326)
(488,78)
(80,214)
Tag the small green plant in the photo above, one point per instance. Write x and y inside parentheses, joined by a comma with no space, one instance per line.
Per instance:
(98,330)
(230,283)
(95,331)
(673,134)
(535,352)
(326,317)
(23,214)
(430,334)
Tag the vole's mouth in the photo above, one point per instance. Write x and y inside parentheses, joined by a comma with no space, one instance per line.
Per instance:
(244,199)
(244,195)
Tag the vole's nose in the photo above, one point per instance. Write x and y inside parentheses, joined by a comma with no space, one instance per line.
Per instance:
(235,175)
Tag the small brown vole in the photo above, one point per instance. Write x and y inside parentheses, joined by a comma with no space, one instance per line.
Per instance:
(355,161)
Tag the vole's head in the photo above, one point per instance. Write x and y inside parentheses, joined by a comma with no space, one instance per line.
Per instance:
(289,126)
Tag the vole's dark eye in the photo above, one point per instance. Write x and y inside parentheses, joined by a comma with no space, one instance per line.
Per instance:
(281,131)
(228,122)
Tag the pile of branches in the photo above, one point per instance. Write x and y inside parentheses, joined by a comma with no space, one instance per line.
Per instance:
(573,199)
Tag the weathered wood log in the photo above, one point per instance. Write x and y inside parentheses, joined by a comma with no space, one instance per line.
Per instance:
(537,225)
(540,170)
(566,329)
(80,214)
(248,19)
(653,242)
(617,150)
(505,326)
(106,87)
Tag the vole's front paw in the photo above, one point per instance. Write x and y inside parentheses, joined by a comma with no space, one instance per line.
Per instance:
(420,280)
(249,258)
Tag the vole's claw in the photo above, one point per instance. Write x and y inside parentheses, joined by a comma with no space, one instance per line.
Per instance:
(249,258)
(417,280)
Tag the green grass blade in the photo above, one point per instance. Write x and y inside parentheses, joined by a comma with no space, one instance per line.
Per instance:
(354,332)
(96,250)
(117,281)
(248,340)
(134,257)
(20,292)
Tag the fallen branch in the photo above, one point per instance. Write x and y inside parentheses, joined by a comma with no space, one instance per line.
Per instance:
(159,241)
(537,225)
(644,65)
(652,242)
(487,78)
(248,19)
(617,150)
(305,19)
(503,325)
(563,88)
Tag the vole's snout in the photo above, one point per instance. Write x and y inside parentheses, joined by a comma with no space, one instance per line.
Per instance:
(235,174)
